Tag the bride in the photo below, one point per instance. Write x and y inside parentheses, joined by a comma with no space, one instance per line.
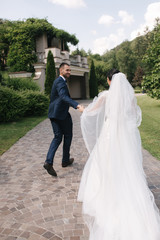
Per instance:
(117,203)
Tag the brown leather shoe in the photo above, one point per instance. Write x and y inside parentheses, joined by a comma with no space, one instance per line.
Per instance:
(50,169)
(65,164)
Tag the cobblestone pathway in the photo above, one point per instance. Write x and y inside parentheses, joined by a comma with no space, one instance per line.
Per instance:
(37,206)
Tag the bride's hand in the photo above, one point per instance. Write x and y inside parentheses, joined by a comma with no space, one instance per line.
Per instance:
(80,108)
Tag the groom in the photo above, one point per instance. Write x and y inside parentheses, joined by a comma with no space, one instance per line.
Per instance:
(61,120)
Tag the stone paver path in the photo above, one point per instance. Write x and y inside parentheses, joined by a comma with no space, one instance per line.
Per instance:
(37,206)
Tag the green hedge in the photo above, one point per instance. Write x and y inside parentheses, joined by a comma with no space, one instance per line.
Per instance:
(12,105)
(20,84)
(15,104)
(37,103)
(138,89)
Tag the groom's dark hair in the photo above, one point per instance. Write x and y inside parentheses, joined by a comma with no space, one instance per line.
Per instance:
(111,73)
(62,64)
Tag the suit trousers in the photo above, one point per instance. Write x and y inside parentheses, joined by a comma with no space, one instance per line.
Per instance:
(61,129)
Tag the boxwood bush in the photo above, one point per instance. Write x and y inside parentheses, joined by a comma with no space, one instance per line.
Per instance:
(12,104)
(37,103)
(138,89)
(16,104)
(21,84)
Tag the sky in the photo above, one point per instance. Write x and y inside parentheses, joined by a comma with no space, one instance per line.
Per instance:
(100,25)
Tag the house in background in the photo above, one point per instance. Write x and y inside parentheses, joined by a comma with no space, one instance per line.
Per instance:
(78,83)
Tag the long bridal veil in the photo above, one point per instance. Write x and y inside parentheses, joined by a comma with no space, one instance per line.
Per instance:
(117,203)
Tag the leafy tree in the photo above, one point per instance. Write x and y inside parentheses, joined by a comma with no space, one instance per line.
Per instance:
(101,70)
(139,46)
(110,58)
(93,86)
(137,80)
(50,73)
(126,60)
(89,53)
(4,44)
(81,52)
(151,82)
(96,57)
(102,65)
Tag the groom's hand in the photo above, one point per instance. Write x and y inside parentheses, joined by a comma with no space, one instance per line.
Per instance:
(80,108)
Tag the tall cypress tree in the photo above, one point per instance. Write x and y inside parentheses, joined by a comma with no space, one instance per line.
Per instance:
(50,73)
(93,85)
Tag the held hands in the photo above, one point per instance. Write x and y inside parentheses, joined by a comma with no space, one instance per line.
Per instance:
(80,108)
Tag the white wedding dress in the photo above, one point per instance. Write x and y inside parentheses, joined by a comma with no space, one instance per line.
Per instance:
(117,203)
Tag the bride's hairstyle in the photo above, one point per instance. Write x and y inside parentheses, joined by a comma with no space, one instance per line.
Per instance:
(111,73)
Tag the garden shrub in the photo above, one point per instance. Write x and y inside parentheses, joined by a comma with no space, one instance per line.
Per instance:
(37,103)
(15,104)
(138,89)
(22,84)
(12,104)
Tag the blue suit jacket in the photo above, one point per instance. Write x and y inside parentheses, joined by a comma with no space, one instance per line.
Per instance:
(60,100)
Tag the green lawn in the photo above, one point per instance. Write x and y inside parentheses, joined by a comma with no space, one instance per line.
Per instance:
(12,131)
(150,126)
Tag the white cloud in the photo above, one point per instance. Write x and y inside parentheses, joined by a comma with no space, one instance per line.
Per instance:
(121,33)
(138,31)
(69,3)
(153,12)
(93,32)
(106,20)
(126,19)
(100,45)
